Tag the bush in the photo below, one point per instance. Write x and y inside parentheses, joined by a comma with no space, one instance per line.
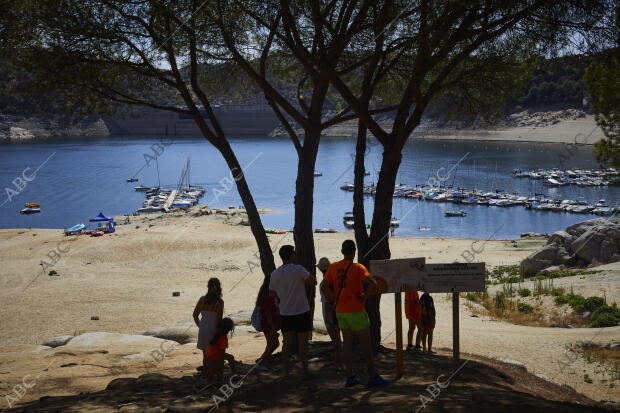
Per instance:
(605,320)
(561,299)
(594,303)
(472,296)
(557,291)
(606,309)
(525,308)
(525,292)
(587,379)
(577,303)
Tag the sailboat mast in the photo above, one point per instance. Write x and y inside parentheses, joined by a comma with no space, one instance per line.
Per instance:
(158,180)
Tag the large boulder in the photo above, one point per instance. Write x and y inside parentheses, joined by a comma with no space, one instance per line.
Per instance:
(597,243)
(552,254)
(180,334)
(562,238)
(580,228)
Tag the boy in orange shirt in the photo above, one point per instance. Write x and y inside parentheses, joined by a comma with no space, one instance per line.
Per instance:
(346,287)
(413,311)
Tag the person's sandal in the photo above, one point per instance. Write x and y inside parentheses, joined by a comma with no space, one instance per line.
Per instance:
(352,381)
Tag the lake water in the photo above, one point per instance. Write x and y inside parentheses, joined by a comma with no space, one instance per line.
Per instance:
(84,177)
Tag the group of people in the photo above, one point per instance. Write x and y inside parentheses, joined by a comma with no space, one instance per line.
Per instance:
(282,305)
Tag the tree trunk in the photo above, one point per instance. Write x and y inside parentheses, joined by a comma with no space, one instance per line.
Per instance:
(304,208)
(256,225)
(359,216)
(379,248)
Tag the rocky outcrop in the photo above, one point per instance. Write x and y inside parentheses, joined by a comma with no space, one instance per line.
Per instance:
(596,241)
(15,128)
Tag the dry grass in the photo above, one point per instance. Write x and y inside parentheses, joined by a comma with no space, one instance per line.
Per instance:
(505,308)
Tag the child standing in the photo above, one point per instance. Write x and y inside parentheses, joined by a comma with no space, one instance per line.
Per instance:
(270,320)
(215,353)
(428,322)
(413,311)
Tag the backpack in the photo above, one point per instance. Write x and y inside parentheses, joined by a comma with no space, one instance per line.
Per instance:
(257,319)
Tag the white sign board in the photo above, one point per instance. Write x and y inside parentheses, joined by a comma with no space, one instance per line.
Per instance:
(446,278)
(392,275)
(413,274)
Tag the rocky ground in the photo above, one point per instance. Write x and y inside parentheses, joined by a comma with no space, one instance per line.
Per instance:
(589,243)
(14,129)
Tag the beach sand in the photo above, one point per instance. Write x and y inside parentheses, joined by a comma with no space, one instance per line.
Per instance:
(127,280)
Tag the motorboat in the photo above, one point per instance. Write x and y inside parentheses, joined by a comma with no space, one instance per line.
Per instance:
(132,179)
(141,188)
(317,173)
(30,210)
(455,213)
(394,223)
(30,205)
(74,230)
(348,220)
(600,204)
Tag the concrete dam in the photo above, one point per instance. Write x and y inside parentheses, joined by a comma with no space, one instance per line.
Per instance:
(236,120)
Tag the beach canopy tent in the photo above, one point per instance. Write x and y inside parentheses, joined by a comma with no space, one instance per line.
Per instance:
(103,218)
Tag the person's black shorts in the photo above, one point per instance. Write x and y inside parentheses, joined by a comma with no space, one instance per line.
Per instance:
(300,323)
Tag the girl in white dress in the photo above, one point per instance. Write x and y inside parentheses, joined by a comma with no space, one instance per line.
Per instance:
(210,308)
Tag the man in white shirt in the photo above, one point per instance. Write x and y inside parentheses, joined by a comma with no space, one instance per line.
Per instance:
(288,285)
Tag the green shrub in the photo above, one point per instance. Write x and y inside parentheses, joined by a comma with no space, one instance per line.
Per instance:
(524,307)
(472,296)
(541,277)
(557,291)
(577,303)
(587,379)
(593,303)
(605,320)
(561,299)
(606,309)
(53,272)
(525,292)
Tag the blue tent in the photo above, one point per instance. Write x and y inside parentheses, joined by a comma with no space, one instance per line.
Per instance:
(101,218)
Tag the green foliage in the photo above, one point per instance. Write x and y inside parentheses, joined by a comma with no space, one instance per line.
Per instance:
(472,296)
(587,378)
(593,303)
(606,309)
(605,320)
(524,307)
(561,299)
(557,291)
(577,303)
(603,80)
(525,292)
(557,83)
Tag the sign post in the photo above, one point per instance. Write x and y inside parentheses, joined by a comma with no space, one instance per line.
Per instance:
(399,334)
(456,355)
(409,274)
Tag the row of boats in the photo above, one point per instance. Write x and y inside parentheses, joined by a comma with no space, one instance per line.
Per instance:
(468,196)
(580,177)
(158,199)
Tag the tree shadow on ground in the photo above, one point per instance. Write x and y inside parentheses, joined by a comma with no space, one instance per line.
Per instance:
(481,385)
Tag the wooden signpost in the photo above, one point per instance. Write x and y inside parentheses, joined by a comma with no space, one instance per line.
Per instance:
(409,274)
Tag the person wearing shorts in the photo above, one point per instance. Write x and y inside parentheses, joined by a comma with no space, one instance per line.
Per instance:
(288,285)
(348,284)
(328,312)
(413,312)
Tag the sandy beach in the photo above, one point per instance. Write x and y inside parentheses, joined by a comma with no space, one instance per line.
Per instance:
(127,280)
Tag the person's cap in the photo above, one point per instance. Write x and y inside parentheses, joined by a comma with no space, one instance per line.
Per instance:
(323,264)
